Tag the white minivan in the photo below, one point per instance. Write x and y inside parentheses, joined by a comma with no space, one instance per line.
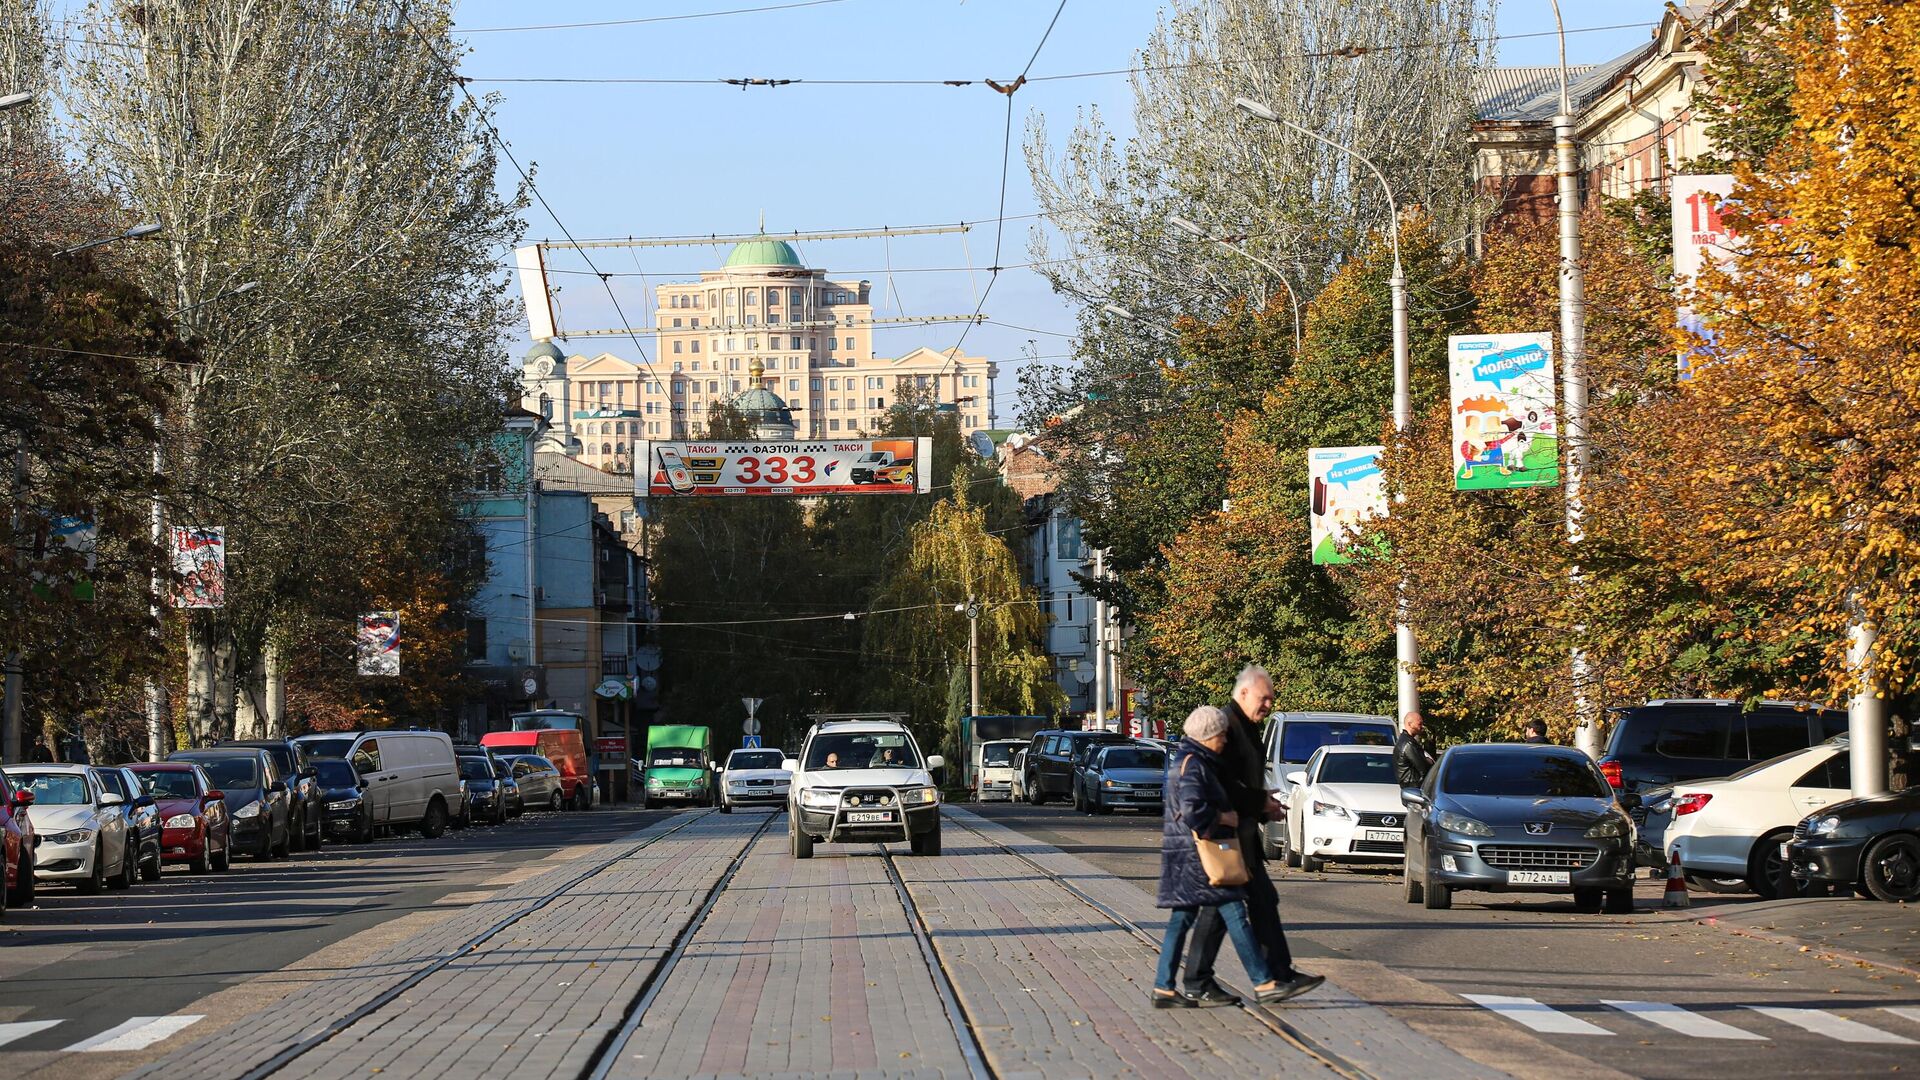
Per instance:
(409,778)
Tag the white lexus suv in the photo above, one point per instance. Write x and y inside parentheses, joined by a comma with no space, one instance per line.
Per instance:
(862,781)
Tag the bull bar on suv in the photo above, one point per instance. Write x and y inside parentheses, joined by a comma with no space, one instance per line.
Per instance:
(849,818)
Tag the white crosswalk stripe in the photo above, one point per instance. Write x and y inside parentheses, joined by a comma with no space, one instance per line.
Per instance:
(1674,1018)
(1905,1013)
(23,1028)
(1530,1013)
(136,1034)
(1821,1022)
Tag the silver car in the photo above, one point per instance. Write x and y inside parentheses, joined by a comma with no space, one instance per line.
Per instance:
(539,781)
(82,827)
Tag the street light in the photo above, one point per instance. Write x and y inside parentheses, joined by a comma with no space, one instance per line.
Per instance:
(1406,652)
(15,100)
(237,290)
(1189,227)
(134,233)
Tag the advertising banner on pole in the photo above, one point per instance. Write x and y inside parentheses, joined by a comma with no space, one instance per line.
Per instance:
(200,561)
(1700,239)
(826,467)
(377,644)
(1347,493)
(74,537)
(1505,424)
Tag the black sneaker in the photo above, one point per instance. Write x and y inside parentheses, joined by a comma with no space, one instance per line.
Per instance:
(1174,1000)
(1290,988)
(1210,997)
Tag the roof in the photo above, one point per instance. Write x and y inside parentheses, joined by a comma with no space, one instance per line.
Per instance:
(763,252)
(546,349)
(861,725)
(46,766)
(1356,749)
(1520,93)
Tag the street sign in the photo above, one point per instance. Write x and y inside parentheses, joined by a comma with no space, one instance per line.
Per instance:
(750,742)
(751,726)
(610,744)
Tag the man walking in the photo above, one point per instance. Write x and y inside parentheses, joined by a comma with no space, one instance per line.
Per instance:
(1412,755)
(1243,773)
(1534,733)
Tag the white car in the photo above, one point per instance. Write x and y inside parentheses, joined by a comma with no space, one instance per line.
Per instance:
(862,781)
(1731,830)
(82,827)
(1345,808)
(993,772)
(753,778)
(1291,740)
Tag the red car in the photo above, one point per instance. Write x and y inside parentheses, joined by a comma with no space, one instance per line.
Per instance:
(194,825)
(17,842)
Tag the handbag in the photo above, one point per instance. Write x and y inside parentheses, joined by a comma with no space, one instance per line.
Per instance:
(1222,860)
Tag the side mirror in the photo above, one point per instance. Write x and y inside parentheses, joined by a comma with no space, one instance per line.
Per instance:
(790,764)
(361,784)
(23,799)
(215,795)
(1413,797)
(278,787)
(144,800)
(1297,776)
(935,761)
(308,774)
(112,799)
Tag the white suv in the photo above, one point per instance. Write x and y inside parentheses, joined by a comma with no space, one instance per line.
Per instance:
(862,780)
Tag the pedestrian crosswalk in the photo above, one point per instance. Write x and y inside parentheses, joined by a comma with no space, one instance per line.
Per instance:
(137,1033)
(1547,1019)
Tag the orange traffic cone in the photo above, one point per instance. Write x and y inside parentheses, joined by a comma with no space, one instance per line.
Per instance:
(1676,896)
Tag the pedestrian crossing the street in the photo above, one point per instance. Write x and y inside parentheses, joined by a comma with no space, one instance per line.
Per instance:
(1546,1019)
(137,1033)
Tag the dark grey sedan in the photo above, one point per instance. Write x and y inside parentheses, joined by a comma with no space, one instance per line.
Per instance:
(1126,776)
(1517,818)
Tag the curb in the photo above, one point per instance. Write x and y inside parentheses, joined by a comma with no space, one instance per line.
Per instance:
(1811,948)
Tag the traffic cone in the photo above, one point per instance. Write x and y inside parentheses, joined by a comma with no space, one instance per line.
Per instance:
(1676,896)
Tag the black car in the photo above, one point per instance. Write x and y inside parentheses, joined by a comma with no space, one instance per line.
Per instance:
(143,817)
(308,808)
(1665,742)
(257,797)
(345,811)
(1047,771)
(1510,817)
(1868,843)
(486,796)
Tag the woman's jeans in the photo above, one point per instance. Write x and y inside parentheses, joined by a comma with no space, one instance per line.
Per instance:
(1239,928)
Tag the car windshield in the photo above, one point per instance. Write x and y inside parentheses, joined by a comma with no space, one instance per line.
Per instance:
(675,757)
(1300,738)
(473,768)
(170,784)
(862,750)
(1135,759)
(313,749)
(334,773)
(1524,775)
(52,789)
(238,773)
(758,759)
(997,754)
(1357,769)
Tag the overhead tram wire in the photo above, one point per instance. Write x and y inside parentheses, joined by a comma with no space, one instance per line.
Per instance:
(648,19)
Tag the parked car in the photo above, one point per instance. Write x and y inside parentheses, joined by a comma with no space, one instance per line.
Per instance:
(753,778)
(195,824)
(1511,817)
(143,817)
(81,825)
(1728,833)
(862,781)
(1346,809)
(346,813)
(1123,776)
(486,798)
(1050,758)
(308,808)
(1668,741)
(510,796)
(413,780)
(1291,739)
(17,841)
(563,747)
(1871,843)
(539,781)
(993,769)
(258,803)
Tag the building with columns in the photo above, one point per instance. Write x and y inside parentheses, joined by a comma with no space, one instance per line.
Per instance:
(811,338)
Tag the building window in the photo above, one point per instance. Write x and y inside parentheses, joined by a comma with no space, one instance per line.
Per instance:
(793,386)
(676,346)
(696,322)
(753,298)
(713,386)
(812,344)
(736,386)
(753,343)
(794,297)
(830,342)
(546,406)
(773,318)
(849,343)
(833,425)
(814,385)
(733,363)
(729,297)
(696,344)
(833,404)
(606,449)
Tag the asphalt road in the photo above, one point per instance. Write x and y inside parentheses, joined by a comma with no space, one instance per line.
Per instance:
(73,967)
(1422,965)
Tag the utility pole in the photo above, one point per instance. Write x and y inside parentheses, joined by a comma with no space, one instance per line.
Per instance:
(1099,644)
(973,656)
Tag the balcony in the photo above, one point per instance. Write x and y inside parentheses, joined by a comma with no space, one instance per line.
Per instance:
(613,664)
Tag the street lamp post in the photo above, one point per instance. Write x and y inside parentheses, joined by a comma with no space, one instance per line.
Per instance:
(134,233)
(1192,229)
(15,100)
(1405,649)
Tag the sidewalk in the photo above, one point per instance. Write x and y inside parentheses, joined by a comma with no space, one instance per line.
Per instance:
(1849,928)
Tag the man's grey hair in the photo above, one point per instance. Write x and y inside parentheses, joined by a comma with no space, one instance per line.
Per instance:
(1248,674)
(1205,722)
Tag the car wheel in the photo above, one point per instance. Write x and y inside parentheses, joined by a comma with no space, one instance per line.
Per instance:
(97,880)
(643,802)
(725,807)
(1891,870)
(1078,802)
(150,871)
(223,860)
(1312,865)
(285,850)
(1032,789)
(1413,891)
(296,832)
(433,824)
(1588,900)
(1438,897)
(1619,901)
(202,862)
(23,881)
(1100,805)
(1709,883)
(266,846)
(129,867)
(927,843)
(365,835)
(800,843)
(553,801)
(1765,867)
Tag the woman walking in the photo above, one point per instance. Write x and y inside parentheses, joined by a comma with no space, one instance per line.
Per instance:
(1196,811)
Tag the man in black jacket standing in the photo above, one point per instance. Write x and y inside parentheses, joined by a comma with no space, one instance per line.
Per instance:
(1243,772)
(1412,756)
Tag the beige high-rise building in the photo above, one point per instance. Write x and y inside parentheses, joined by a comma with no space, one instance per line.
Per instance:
(813,335)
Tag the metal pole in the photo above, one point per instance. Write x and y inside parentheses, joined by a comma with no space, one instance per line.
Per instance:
(13,708)
(1099,645)
(157,711)
(973,657)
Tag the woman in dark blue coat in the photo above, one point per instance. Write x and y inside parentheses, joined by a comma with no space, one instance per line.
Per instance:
(1197,804)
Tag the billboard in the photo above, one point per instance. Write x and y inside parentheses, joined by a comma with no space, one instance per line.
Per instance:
(1347,492)
(1699,238)
(200,562)
(377,643)
(753,467)
(1505,425)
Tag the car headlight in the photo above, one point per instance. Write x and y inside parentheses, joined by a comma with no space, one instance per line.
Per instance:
(1464,825)
(1607,827)
(1108,783)
(77,836)
(251,810)
(924,795)
(820,800)
(1331,809)
(654,782)
(344,804)
(1823,826)
(179,821)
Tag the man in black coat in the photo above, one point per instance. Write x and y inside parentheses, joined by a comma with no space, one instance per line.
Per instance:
(1243,772)
(1412,756)
(1534,733)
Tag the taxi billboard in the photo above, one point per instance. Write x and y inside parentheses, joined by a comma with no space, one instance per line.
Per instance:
(800,467)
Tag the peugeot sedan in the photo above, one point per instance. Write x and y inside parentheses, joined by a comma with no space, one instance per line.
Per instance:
(82,827)
(1518,818)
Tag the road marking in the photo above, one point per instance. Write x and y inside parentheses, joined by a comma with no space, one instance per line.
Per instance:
(136,1034)
(22,1029)
(1675,1018)
(1833,1027)
(1905,1013)
(1530,1013)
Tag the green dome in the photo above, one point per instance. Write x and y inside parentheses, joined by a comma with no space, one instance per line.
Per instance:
(545,350)
(763,252)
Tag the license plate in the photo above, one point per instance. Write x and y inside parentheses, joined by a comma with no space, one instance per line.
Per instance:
(865,817)
(1539,877)
(1783,851)
(1382,834)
